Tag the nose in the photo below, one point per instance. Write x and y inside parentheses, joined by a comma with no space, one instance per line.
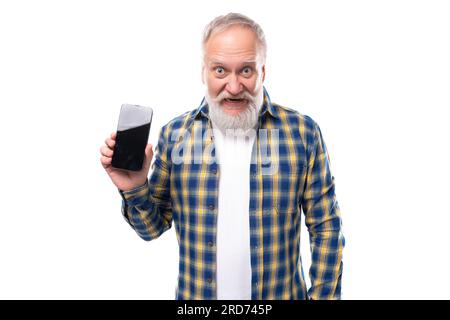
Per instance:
(234,86)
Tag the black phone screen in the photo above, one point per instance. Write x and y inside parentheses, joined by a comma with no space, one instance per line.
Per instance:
(132,137)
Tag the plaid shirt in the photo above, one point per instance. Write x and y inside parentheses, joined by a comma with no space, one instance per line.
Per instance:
(187,193)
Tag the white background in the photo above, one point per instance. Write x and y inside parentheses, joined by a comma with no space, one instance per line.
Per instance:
(375,75)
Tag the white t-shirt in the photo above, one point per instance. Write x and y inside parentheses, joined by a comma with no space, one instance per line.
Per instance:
(234,274)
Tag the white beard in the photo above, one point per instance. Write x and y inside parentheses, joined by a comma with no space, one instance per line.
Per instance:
(246,119)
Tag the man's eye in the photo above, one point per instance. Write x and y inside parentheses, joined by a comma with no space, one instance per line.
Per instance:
(247,71)
(219,70)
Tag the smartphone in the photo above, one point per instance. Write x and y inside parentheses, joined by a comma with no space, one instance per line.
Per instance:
(132,137)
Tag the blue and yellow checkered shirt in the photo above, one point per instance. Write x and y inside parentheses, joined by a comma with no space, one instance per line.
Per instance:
(187,193)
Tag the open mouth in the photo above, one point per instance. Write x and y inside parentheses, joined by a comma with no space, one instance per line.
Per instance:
(235,101)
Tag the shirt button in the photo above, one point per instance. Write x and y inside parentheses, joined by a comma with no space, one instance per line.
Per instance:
(211,207)
(214,171)
(209,280)
(210,243)
(255,247)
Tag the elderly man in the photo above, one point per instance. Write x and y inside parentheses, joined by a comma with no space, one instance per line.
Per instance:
(237,202)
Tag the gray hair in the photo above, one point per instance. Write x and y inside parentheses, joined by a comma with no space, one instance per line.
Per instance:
(222,23)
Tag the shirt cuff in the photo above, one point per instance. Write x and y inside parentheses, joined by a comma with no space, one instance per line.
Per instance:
(135,194)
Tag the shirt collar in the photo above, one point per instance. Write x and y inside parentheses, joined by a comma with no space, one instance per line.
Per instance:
(267,106)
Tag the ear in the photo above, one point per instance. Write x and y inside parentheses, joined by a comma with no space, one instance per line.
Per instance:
(263,72)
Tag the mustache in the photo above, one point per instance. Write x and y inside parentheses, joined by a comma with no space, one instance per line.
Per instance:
(225,95)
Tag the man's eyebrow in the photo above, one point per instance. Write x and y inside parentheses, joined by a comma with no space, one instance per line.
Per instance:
(216,62)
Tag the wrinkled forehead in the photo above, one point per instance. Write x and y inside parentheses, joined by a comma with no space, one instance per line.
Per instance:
(235,44)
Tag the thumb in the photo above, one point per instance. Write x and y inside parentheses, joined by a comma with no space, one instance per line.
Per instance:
(148,156)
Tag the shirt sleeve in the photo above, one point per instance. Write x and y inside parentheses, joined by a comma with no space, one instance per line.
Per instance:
(323,220)
(148,208)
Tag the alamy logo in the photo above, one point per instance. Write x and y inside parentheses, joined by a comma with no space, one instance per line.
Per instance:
(198,148)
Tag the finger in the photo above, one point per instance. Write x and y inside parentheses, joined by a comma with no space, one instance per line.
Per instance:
(105,161)
(106,152)
(113,135)
(110,143)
